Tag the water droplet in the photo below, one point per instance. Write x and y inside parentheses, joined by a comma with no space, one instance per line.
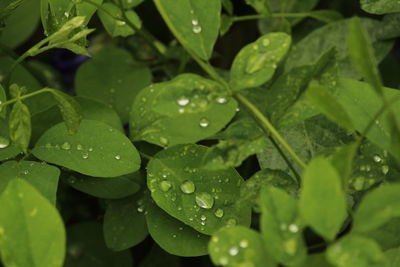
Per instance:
(66,146)
(118,157)
(223,261)
(377,158)
(219,213)
(140,209)
(359,182)
(233,251)
(164,141)
(203,217)
(197,29)
(79,147)
(4,142)
(204,200)
(25,172)
(187,187)
(66,14)
(90,149)
(120,22)
(183,101)
(222,100)
(294,228)
(385,169)
(165,185)
(244,243)
(195,22)
(266,42)
(231,222)
(85,155)
(204,122)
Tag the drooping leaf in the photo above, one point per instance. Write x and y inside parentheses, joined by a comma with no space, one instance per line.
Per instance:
(31,230)
(238,246)
(256,63)
(186,109)
(110,154)
(194,23)
(111,77)
(280,228)
(204,199)
(124,223)
(322,201)
(174,236)
(43,177)
(354,250)
(20,125)
(380,6)
(70,110)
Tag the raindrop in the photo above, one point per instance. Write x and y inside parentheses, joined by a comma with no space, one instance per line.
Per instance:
(231,222)
(204,122)
(164,141)
(165,185)
(244,243)
(222,100)
(183,101)
(385,169)
(195,22)
(377,158)
(203,218)
(294,228)
(4,142)
(79,147)
(140,209)
(197,29)
(85,155)
(90,149)
(121,22)
(118,157)
(66,14)
(204,200)
(66,146)
(188,187)
(266,42)
(233,251)
(25,172)
(219,213)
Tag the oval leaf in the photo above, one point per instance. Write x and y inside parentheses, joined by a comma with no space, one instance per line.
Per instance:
(110,154)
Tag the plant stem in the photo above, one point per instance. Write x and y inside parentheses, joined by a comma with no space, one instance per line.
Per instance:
(275,15)
(44,90)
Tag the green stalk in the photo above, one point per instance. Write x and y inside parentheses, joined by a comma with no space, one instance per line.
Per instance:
(44,90)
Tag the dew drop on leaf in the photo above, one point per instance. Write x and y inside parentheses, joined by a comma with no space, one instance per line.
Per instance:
(183,101)
(377,158)
(244,243)
(66,146)
(204,122)
(4,142)
(266,42)
(187,187)
(204,200)
(219,213)
(79,147)
(85,155)
(165,186)
(385,169)
(117,157)
(233,251)
(197,29)
(294,228)
(221,100)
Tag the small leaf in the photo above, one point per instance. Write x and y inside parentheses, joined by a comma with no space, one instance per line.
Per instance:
(206,200)
(124,223)
(380,6)
(20,125)
(43,177)
(256,63)
(31,230)
(354,250)
(377,207)
(194,23)
(261,6)
(110,154)
(187,109)
(118,27)
(174,236)
(280,228)
(326,16)
(70,110)
(322,200)
(238,246)
(228,6)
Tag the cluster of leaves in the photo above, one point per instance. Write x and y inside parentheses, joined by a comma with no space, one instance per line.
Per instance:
(289,157)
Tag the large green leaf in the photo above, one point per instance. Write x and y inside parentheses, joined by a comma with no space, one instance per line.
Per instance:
(204,199)
(43,177)
(110,154)
(256,63)
(238,246)
(186,109)
(380,6)
(31,230)
(322,200)
(7,148)
(280,227)
(124,223)
(111,77)
(194,23)
(377,208)
(174,236)
(354,250)
(393,256)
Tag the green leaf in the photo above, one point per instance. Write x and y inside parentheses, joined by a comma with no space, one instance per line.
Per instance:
(354,250)
(20,125)
(362,54)
(322,200)
(261,6)
(115,188)
(256,63)
(292,6)
(238,246)
(334,34)
(326,16)
(316,260)
(3,98)
(86,248)
(118,27)
(194,23)
(206,200)
(70,110)
(228,6)
(186,109)
(129,3)
(319,97)
(112,78)
(377,208)
(174,236)
(380,6)
(387,235)
(21,24)
(393,257)
(110,154)
(31,230)
(280,227)
(43,177)
(8,149)
(124,223)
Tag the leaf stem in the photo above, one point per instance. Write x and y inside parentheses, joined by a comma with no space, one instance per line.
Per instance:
(43,90)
